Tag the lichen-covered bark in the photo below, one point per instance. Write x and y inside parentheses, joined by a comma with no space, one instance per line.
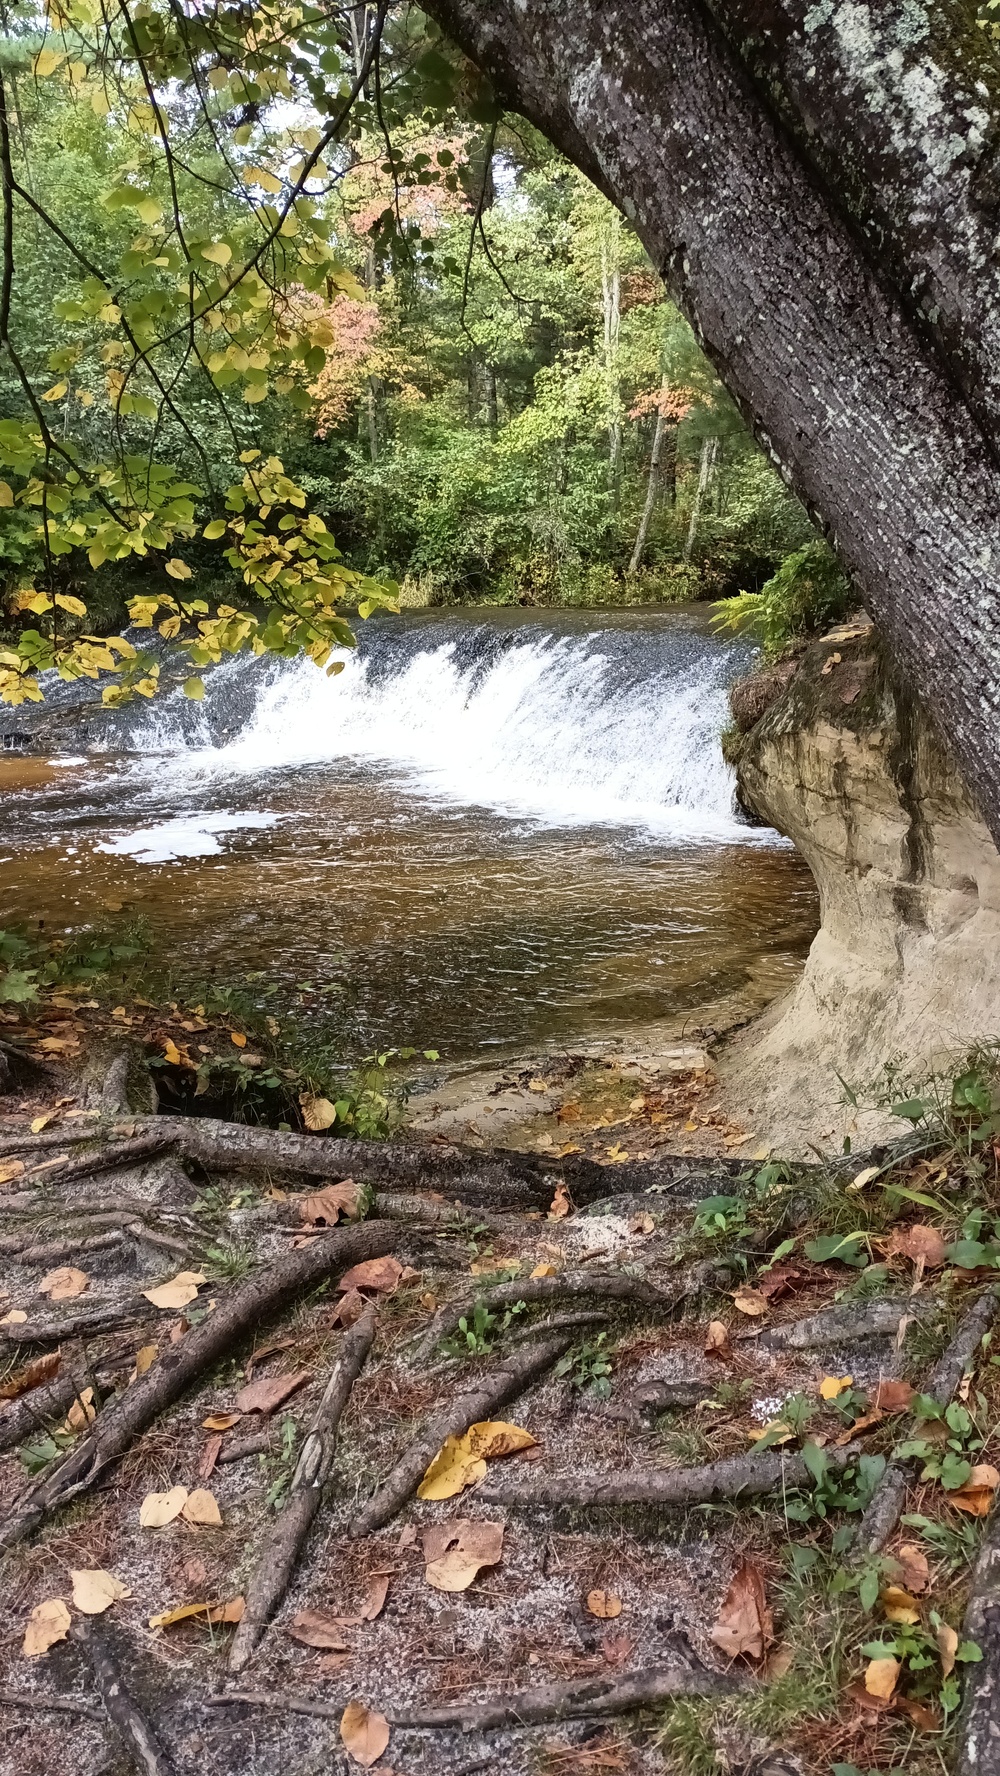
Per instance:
(896,103)
(840,383)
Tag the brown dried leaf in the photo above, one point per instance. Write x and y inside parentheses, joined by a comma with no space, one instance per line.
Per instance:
(201,1506)
(270,1391)
(82,1412)
(923,1245)
(314,1628)
(923,1717)
(64,1284)
(381,1275)
(179,1292)
(160,1508)
(947,1645)
(332,1662)
(378,1591)
(744,1623)
(893,1396)
(913,1568)
(220,1421)
(749,1301)
(31,1376)
(323,1208)
(317,1113)
(364,1733)
(94,1591)
(617,1649)
(454,1552)
(47,1623)
(349,1309)
(781,1279)
(560,1206)
(11,1169)
(881,1677)
(16,1317)
(209,1456)
(717,1340)
(232,1611)
(605,1605)
(976,1496)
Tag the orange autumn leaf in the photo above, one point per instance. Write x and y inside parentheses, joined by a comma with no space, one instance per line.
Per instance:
(744,1624)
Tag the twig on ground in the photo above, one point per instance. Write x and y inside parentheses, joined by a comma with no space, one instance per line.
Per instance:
(243,1447)
(268,1699)
(247,1307)
(62,1704)
(578,1700)
(272,1574)
(132,1728)
(734,1477)
(883,1510)
(479,1399)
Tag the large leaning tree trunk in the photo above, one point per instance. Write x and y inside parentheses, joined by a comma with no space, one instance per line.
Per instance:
(817,184)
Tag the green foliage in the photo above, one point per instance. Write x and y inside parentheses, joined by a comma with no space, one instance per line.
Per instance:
(31,963)
(847,1489)
(807,594)
(946,1457)
(588,1366)
(373,1104)
(477,1336)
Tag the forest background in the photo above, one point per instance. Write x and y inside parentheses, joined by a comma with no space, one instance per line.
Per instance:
(495,400)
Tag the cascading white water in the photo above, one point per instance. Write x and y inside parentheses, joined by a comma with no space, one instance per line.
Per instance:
(566,730)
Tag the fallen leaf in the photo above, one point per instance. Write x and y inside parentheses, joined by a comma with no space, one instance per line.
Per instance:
(209,1456)
(829,664)
(976,1496)
(364,1733)
(779,1663)
(749,1301)
(864,1423)
(863,1178)
(47,1623)
(232,1611)
(200,1506)
(893,1396)
(145,1357)
(182,1289)
(315,1629)
(195,1572)
(914,1570)
(920,1713)
(10,1169)
(899,1606)
(220,1421)
(781,1279)
(378,1591)
(560,1206)
(617,1649)
(82,1412)
(642,1224)
(265,1351)
(604,1605)
(947,1645)
(317,1113)
(16,1317)
(881,1676)
(349,1309)
(324,1207)
(544,1270)
(378,1274)
(63,1284)
(462,1460)
(40,1122)
(717,1340)
(160,1508)
(331,1662)
(776,1431)
(237,1038)
(270,1391)
(744,1621)
(832,1385)
(454,1552)
(924,1246)
(177,1329)
(94,1591)
(171,1053)
(31,1376)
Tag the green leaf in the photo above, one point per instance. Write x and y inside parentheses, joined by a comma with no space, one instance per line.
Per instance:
(912,1109)
(194,688)
(847,1248)
(967,1254)
(216,529)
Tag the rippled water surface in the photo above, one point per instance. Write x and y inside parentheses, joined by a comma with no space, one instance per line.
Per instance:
(492,831)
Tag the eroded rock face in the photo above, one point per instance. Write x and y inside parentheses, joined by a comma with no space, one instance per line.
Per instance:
(906,964)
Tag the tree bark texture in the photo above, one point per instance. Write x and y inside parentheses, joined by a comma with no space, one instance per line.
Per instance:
(806,272)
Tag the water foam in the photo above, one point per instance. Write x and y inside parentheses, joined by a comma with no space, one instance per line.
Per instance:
(557,729)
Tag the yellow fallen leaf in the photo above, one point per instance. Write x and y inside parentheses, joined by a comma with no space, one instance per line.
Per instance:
(47,1623)
(544,1270)
(179,1292)
(82,1412)
(976,1496)
(604,1605)
(16,1317)
(160,1508)
(171,1053)
(221,1421)
(237,1037)
(200,1507)
(461,1461)
(881,1677)
(454,1552)
(364,1733)
(145,1357)
(832,1385)
(776,1432)
(94,1591)
(537,1085)
(899,1606)
(63,1284)
(212,1612)
(947,1645)
(40,1122)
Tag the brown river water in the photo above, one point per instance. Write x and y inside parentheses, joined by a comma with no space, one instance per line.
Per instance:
(494,832)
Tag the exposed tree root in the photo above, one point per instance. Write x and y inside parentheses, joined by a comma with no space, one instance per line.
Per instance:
(104,1317)
(32,1411)
(478,1400)
(600,1285)
(55,1250)
(273,1572)
(134,1731)
(242,1447)
(735,1477)
(882,1514)
(109,1157)
(60,1704)
(255,1301)
(849,1323)
(978,1751)
(594,1696)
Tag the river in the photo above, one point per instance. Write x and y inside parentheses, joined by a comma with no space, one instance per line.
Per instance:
(494,831)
